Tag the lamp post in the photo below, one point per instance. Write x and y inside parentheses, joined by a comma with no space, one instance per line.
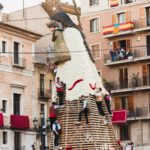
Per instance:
(42,129)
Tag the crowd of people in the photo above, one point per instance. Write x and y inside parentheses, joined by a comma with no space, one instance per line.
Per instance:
(120,54)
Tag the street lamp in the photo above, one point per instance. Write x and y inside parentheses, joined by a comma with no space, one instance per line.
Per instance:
(42,129)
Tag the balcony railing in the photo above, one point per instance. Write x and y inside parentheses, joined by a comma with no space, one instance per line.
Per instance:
(19,62)
(133,54)
(117,28)
(139,112)
(134,83)
(141,24)
(44,93)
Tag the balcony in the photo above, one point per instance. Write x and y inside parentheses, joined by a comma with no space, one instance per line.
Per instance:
(142,25)
(44,94)
(19,122)
(118,29)
(130,27)
(133,55)
(19,62)
(130,85)
(123,115)
(139,113)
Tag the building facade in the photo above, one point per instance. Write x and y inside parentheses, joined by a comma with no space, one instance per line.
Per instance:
(42,81)
(17,98)
(118,34)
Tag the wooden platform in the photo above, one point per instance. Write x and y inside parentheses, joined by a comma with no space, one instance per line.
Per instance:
(93,136)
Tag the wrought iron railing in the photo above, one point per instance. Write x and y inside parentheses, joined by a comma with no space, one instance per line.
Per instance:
(129,54)
(44,93)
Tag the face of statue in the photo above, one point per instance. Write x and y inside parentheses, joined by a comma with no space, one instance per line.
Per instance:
(52,29)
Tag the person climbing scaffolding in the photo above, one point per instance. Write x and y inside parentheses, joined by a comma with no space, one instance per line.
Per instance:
(107,98)
(85,108)
(99,99)
(53,113)
(57,132)
(60,91)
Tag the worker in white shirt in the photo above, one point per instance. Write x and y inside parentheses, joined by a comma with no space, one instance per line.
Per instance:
(85,109)
(57,132)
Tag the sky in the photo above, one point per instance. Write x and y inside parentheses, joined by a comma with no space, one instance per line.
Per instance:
(14,5)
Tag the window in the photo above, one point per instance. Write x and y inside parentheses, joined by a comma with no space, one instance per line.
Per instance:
(5,137)
(50,85)
(99,73)
(16,98)
(96,52)
(17,140)
(121,18)
(94,25)
(124,132)
(123,78)
(41,84)
(16,53)
(128,1)
(4,43)
(125,102)
(145,74)
(4,106)
(148,15)
(94,2)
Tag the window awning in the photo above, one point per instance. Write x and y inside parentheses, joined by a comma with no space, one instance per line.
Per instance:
(19,122)
(119,117)
(1,120)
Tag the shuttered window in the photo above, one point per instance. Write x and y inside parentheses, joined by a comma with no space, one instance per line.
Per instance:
(117,103)
(130,103)
(144,74)
(96,51)
(128,45)
(94,2)
(128,16)
(142,20)
(114,19)
(94,25)
(123,78)
(125,102)
(124,132)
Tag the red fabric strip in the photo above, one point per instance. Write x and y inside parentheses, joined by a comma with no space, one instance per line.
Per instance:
(92,87)
(74,84)
(19,122)
(1,120)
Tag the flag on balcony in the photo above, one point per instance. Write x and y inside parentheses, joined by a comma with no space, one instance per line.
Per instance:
(116,28)
(1,120)
(126,26)
(119,117)
(19,122)
(114,3)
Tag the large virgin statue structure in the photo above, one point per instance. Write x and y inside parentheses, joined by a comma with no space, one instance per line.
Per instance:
(75,68)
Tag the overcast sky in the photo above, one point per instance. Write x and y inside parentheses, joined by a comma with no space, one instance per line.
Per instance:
(13,5)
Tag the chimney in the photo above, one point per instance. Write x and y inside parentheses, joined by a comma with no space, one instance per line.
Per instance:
(1,7)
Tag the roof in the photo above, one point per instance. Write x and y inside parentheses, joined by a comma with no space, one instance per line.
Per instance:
(21,32)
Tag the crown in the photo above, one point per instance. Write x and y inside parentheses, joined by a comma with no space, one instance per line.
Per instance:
(51,6)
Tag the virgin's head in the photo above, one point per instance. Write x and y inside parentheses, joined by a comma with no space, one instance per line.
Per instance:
(63,18)
(52,25)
